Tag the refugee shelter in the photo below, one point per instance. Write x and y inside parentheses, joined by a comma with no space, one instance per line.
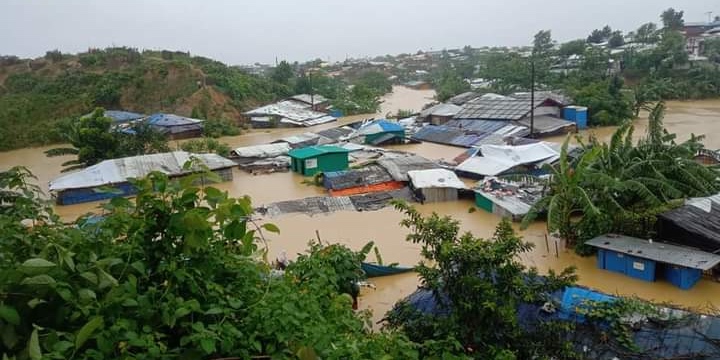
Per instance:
(87,184)
(695,224)
(372,178)
(439,114)
(287,113)
(511,199)
(648,260)
(399,164)
(380,132)
(494,160)
(252,153)
(311,160)
(174,126)
(121,117)
(435,185)
(669,334)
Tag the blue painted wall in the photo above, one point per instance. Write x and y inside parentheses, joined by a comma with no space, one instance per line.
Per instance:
(626,264)
(682,277)
(576,114)
(78,196)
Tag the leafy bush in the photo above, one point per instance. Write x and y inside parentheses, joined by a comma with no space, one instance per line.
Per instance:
(174,273)
(206,145)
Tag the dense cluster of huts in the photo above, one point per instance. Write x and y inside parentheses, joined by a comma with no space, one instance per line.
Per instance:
(501,162)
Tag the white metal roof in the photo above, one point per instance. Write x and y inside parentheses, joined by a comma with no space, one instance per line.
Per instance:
(119,170)
(263,151)
(288,109)
(497,159)
(435,178)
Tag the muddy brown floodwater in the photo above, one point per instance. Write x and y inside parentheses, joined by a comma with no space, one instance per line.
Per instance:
(355,229)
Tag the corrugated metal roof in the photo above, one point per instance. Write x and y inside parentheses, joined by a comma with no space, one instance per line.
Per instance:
(512,203)
(312,151)
(398,165)
(500,109)
(656,251)
(308,99)
(441,110)
(435,178)
(380,126)
(463,98)
(301,140)
(262,151)
(119,170)
(370,175)
(168,120)
(546,124)
(336,133)
(293,111)
(120,116)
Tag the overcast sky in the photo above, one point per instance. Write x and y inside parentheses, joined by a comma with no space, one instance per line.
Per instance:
(248,31)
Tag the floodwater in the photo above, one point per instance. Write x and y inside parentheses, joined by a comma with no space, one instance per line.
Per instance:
(355,229)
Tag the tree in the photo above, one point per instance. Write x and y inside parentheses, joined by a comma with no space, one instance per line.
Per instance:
(176,272)
(478,284)
(672,20)
(574,47)
(543,43)
(619,186)
(566,195)
(450,84)
(92,141)
(600,35)
(206,145)
(616,39)
(94,138)
(647,34)
(283,73)
(711,49)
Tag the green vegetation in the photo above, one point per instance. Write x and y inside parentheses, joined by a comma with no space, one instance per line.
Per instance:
(94,139)
(206,145)
(614,81)
(175,273)
(37,95)
(621,186)
(481,283)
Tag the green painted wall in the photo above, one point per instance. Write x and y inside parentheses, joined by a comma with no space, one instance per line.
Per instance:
(321,163)
(483,202)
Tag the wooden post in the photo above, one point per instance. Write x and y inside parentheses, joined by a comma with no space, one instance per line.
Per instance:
(317,235)
(547,245)
(557,253)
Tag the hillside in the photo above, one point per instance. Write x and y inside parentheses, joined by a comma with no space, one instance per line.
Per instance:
(35,94)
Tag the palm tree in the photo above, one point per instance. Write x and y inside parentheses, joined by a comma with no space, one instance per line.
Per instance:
(566,195)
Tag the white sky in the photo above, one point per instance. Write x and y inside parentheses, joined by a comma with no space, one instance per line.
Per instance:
(248,31)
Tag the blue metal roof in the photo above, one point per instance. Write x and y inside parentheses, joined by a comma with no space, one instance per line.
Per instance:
(388,125)
(161,119)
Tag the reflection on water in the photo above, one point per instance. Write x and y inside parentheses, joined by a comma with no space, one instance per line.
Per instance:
(357,228)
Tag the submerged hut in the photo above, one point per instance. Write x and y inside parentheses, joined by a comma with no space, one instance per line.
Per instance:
(647,260)
(311,160)
(381,132)
(372,178)
(86,185)
(435,185)
(695,224)
(176,127)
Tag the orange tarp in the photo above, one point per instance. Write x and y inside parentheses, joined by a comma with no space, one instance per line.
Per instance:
(386,186)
